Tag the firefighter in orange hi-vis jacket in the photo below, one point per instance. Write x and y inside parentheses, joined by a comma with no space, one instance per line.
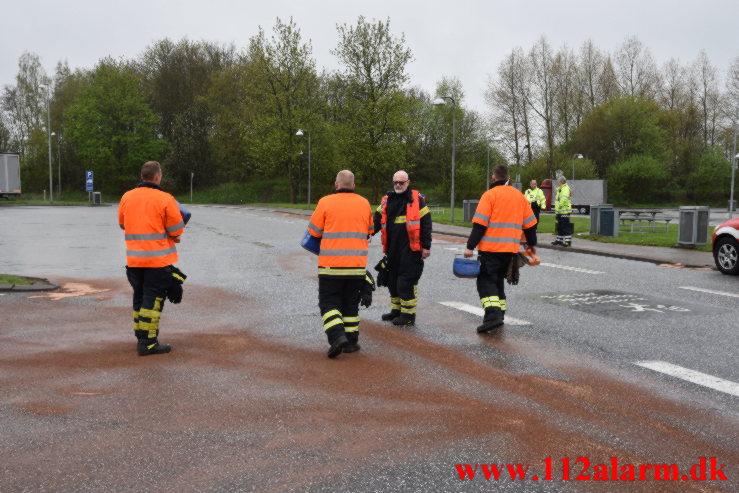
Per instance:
(343,222)
(503,212)
(152,223)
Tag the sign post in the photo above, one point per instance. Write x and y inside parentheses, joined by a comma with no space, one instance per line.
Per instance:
(89,184)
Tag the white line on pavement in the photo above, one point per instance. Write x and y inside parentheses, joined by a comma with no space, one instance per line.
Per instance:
(693,376)
(710,291)
(475,310)
(455,249)
(567,267)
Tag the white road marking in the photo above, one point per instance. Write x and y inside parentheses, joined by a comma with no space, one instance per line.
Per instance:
(454,249)
(567,267)
(710,291)
(693,376)
(476,310)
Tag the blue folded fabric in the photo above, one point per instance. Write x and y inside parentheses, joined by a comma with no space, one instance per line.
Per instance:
(311,243)
(466,267)
(186,215)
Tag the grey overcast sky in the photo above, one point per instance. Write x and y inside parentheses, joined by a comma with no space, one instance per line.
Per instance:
(466,39)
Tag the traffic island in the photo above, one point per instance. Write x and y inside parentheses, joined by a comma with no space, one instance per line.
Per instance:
(23,283)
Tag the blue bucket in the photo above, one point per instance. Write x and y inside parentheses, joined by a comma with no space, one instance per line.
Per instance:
(311,243)
(466,267)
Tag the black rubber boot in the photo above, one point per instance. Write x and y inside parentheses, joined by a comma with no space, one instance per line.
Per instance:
(337,346)
(146,347)
(391,316)
(338,340)
(493,318)
(557,242)
(405,319)
(353,345)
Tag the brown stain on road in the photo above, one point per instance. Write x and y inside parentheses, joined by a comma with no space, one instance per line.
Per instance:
(233,405)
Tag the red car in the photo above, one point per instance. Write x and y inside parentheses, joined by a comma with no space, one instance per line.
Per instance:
(725,242)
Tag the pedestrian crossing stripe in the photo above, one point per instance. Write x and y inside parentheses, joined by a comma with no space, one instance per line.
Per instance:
(476,310)
(574,269)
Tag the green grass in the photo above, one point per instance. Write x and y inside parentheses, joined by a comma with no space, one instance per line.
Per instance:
(8,279)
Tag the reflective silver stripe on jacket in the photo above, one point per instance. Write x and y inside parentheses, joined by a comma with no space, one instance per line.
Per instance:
(493,239)
(411,223)
(340,252)
(315,228)
(529,219)
(482,216)
(349,234)
(177,226)
(151,253)
(149,236)
(504,225)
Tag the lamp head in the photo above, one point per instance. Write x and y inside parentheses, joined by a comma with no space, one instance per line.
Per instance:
(299,133)
(439,101)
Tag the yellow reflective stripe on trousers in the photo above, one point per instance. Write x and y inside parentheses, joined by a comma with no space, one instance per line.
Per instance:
(333,322)
(330,314)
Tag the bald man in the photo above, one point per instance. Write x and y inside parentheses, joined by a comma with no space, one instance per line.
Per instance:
(405,223)
(343,222)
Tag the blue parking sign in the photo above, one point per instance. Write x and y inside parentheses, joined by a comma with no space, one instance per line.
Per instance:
(88,181)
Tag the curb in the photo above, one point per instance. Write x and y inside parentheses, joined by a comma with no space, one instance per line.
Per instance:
(38,285)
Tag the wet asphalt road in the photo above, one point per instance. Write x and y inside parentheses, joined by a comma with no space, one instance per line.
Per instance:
(247,400)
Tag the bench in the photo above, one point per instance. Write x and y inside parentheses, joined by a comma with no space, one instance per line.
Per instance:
(436,209)
(642,224)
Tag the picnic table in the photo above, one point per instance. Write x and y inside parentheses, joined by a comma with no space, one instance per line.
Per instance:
(644,220)
(436,208)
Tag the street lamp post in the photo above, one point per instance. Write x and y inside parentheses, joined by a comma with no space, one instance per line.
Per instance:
(440,101)
(733,170)
(575,156)
(487,173)
(192,176)
(300,133)
(49,133)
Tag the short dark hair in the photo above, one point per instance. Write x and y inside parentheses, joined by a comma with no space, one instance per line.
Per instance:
(501,172)
(149,170)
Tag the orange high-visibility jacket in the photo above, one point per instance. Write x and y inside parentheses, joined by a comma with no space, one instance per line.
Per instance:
(412,221)
(150,218)
(343,221)
(505,212)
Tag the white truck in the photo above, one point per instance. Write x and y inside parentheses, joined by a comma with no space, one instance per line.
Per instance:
(584,194)
(10,176)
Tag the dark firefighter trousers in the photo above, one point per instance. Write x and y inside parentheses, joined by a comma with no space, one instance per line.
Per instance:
(491,280)
(150,287)
(338,300)
(402,282)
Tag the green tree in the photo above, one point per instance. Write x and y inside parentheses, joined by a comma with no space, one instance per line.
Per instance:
(619,129)
(177,77)
(112,127)
(639,178)
(710,181)
(283,95)
(376,108)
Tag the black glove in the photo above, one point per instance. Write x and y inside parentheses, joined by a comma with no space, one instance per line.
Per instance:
(174,293)
(382,272)
(365,294)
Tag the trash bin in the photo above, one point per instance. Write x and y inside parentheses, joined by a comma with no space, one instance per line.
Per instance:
(96,198)
(469,207)
(692,225)
(595,220)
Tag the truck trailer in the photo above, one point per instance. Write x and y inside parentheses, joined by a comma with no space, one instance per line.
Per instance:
(10,176)
(584,194)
